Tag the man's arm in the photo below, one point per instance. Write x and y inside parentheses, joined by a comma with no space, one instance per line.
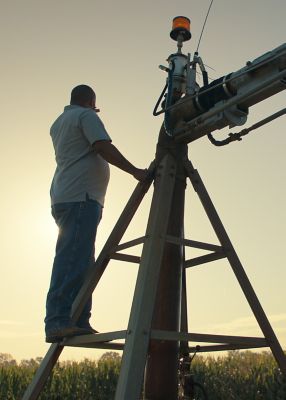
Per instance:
(112,155)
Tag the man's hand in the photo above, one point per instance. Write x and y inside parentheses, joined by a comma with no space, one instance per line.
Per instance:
(140,174)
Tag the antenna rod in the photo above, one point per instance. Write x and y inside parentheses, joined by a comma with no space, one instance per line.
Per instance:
(204,25)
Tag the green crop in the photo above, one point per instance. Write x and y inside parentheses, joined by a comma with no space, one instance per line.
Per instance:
(235,376)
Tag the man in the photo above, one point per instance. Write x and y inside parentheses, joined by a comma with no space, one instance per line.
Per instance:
(83,150)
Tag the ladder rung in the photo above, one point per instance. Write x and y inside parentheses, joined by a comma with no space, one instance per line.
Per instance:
(203,259)
(193,243)
(131,243)
(207,338)
(225,347)
(126,257)
(98,338)
(98,345)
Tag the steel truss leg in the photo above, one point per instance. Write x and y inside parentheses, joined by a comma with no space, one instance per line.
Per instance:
(184,346)
(138,334)
(237,266)
(91,281)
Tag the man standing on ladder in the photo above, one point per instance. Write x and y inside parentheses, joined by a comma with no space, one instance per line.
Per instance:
(83,150)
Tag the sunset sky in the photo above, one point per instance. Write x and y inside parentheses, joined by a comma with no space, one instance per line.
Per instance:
(47,48)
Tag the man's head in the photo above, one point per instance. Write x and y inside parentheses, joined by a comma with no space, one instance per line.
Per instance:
(83,95)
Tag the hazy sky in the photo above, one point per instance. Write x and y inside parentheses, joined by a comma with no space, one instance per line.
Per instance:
(48,47)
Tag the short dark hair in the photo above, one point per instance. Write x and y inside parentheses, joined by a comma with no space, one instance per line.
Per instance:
(81,94)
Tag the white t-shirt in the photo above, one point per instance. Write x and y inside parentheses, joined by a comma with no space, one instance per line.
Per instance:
(80,170)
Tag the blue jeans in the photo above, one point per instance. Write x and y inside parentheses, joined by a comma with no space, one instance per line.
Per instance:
(77,222)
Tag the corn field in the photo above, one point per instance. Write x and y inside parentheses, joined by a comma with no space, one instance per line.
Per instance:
(236,376)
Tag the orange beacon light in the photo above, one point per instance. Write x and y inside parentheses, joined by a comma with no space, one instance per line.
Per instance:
(181,26)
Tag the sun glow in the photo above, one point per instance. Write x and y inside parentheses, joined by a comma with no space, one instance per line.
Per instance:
(46,227)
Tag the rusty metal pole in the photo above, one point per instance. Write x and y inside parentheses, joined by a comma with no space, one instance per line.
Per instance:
(161,377)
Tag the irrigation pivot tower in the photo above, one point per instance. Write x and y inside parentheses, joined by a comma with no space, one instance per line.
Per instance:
(157,333)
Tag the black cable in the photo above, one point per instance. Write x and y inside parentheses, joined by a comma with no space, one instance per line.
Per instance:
(155,113)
